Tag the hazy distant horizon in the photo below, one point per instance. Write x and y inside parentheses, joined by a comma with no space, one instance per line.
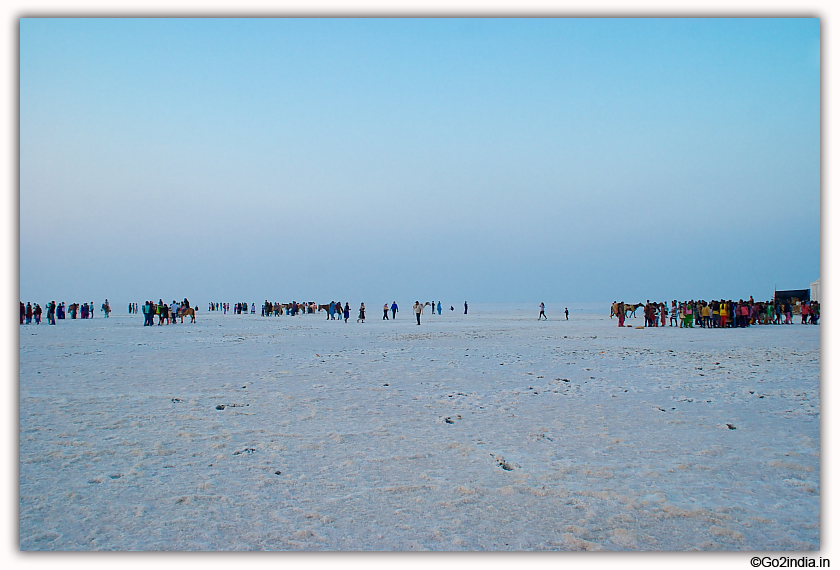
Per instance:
(492,160)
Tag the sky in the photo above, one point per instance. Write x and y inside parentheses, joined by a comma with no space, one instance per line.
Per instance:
(490,160)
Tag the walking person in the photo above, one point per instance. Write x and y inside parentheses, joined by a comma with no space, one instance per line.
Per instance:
(361,318)
(418,310)
(567,313)
(346,311)
(385,312)
(466,307)
(394,310)
(439,308)
(542,312)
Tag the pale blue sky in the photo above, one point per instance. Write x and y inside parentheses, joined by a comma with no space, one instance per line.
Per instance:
(483,159)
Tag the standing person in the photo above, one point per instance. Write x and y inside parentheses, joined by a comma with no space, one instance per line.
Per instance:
(385,312)
(28,313)
(51,313)
(466,307)
(361,318)
(663,309)
(439,309)
(22,312)
(36,312)
(331,314)
(542,312)
(346,311)
(620,313)
(567,313)
(418,310)
(394,310)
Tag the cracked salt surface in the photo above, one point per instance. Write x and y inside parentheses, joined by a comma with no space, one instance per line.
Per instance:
(243,433)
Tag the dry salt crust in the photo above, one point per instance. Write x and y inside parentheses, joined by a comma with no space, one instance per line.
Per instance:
(490,431)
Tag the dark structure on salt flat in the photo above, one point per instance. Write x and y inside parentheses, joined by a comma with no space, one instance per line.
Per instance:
(790,295)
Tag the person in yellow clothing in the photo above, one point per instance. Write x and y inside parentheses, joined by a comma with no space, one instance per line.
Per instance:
(706,312)
(724,313)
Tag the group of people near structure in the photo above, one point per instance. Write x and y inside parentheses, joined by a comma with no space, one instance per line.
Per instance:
(30,312)
(718,314)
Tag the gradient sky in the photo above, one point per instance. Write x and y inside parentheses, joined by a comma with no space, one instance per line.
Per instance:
(556,160)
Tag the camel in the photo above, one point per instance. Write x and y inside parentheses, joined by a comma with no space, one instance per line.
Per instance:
(631,309)
(628,309)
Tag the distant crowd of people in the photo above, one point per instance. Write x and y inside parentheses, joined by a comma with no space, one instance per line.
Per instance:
(336,310)
(30,312)
(718,314)
(682,314)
